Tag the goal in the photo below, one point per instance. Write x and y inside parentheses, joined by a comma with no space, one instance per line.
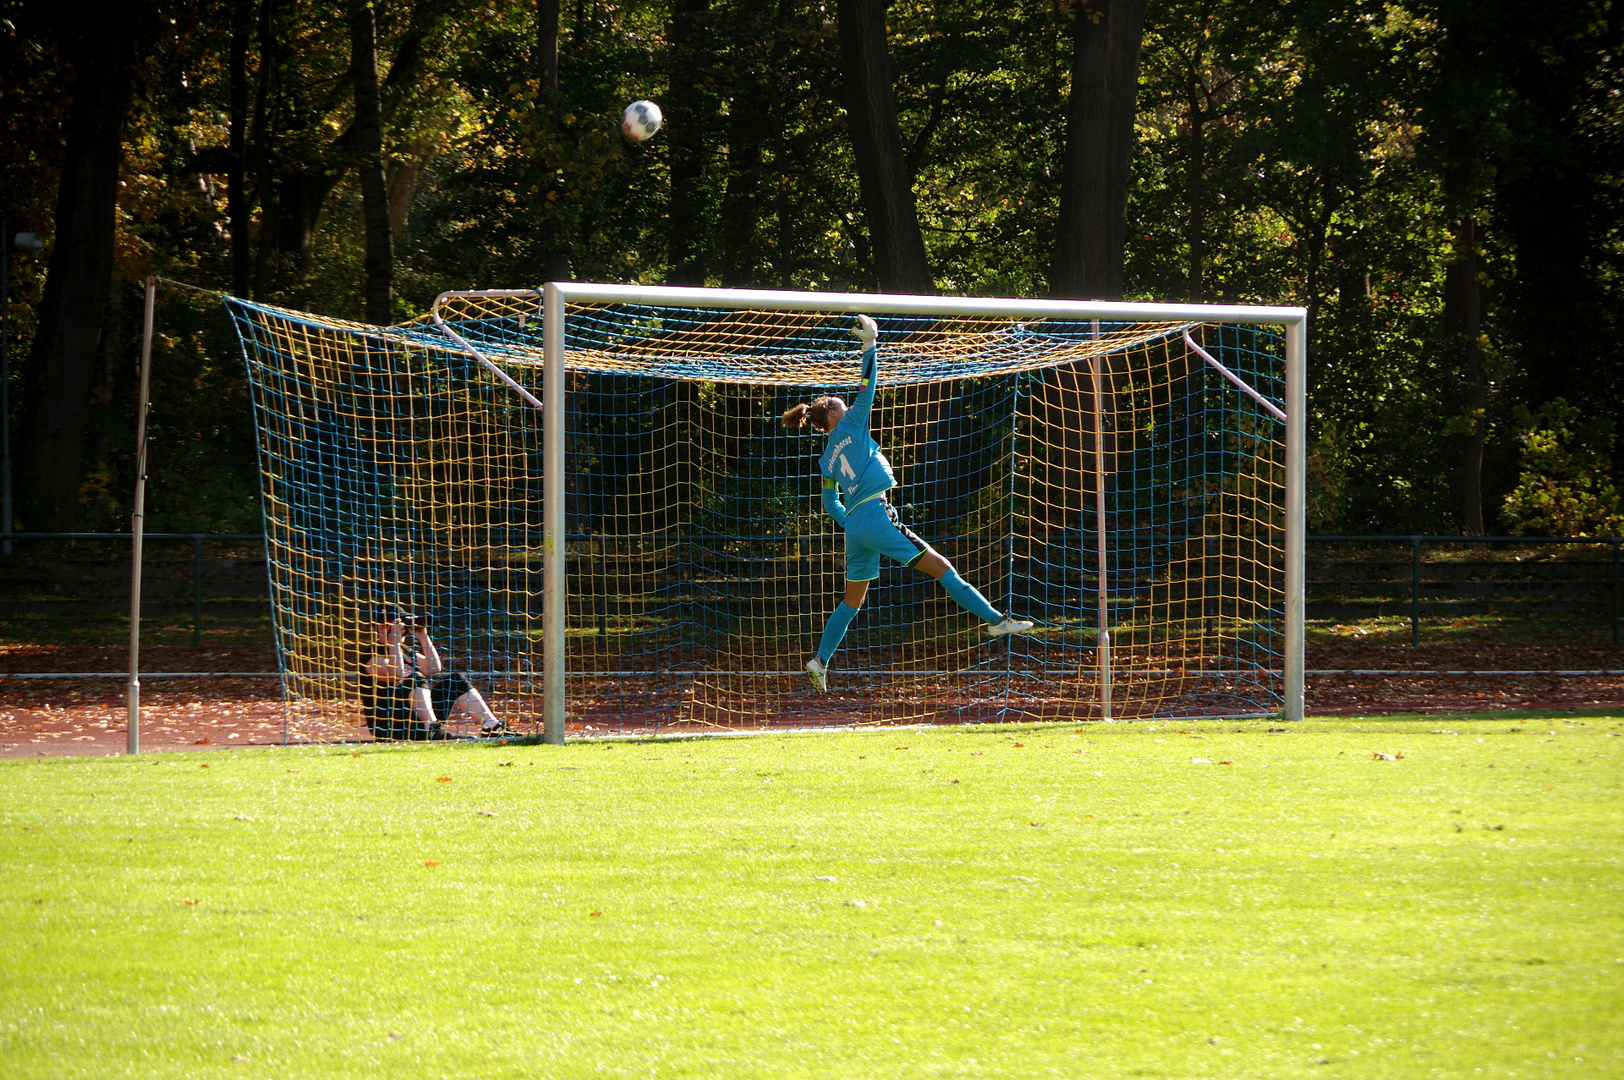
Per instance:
(585,493)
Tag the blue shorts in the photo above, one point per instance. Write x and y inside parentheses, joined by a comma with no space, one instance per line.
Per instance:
(872,530)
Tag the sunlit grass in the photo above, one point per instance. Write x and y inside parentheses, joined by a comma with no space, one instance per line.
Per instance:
(1519,629)
(1165,900)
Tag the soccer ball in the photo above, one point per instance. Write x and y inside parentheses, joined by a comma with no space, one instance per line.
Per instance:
(640,120)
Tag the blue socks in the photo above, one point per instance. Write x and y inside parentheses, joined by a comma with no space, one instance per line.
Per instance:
(834,630)
(959,589)
(968,599)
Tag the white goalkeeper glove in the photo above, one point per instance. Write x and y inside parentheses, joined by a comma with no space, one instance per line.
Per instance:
(866,332)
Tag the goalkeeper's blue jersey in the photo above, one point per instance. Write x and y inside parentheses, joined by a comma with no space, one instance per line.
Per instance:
(854,468)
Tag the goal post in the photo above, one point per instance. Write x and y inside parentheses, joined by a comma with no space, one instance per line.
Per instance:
(1110,470)
(1296,524)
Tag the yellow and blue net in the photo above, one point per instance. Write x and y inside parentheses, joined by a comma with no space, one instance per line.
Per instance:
(397,470)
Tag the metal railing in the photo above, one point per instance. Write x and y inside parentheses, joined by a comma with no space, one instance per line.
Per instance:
(1415,544)
(197,541)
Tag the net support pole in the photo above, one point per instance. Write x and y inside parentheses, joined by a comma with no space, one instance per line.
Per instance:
(554,565)
(1103,648)
(1291,707)
(138,517)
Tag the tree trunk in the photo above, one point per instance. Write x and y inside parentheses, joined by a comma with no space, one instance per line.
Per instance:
(293,195)
(237,169)
(547,47)
(1092,230)
(555,262)
(63,361)
(871,112)
(403,179)
(756,122)
(104,437)
(1463,324)
(367,136)
(259,151)
(693,104)
(742,201)
(1195,167)
(1462,119)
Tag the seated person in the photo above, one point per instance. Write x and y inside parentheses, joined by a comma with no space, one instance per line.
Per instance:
(406,690)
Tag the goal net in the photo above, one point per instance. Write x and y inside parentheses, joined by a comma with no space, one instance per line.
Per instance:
(1117,475)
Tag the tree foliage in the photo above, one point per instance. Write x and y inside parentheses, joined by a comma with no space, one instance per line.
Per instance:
(1327,153)
(1565,486)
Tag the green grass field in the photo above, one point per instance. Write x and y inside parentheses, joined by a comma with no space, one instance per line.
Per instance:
(1136,900)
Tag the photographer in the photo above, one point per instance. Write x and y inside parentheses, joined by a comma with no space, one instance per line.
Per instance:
(408,693)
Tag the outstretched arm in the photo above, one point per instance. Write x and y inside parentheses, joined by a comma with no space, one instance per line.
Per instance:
(868,334)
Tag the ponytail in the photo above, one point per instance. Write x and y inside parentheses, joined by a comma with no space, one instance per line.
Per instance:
(817,412)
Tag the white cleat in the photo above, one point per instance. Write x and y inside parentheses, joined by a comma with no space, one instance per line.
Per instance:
(818,674)
(1010,625)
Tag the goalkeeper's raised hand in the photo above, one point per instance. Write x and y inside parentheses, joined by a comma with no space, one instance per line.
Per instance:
(866,332)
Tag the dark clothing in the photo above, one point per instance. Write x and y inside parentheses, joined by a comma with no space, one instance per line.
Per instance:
(389,712)
(444,691)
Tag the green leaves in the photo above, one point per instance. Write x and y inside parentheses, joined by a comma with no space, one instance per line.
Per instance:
(1565,484)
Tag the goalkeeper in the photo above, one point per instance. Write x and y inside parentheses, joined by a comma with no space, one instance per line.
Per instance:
(856,477)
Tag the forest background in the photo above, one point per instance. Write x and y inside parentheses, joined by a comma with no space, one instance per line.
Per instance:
(1438,182)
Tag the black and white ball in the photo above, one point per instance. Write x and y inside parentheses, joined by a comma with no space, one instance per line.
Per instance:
(640,120)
